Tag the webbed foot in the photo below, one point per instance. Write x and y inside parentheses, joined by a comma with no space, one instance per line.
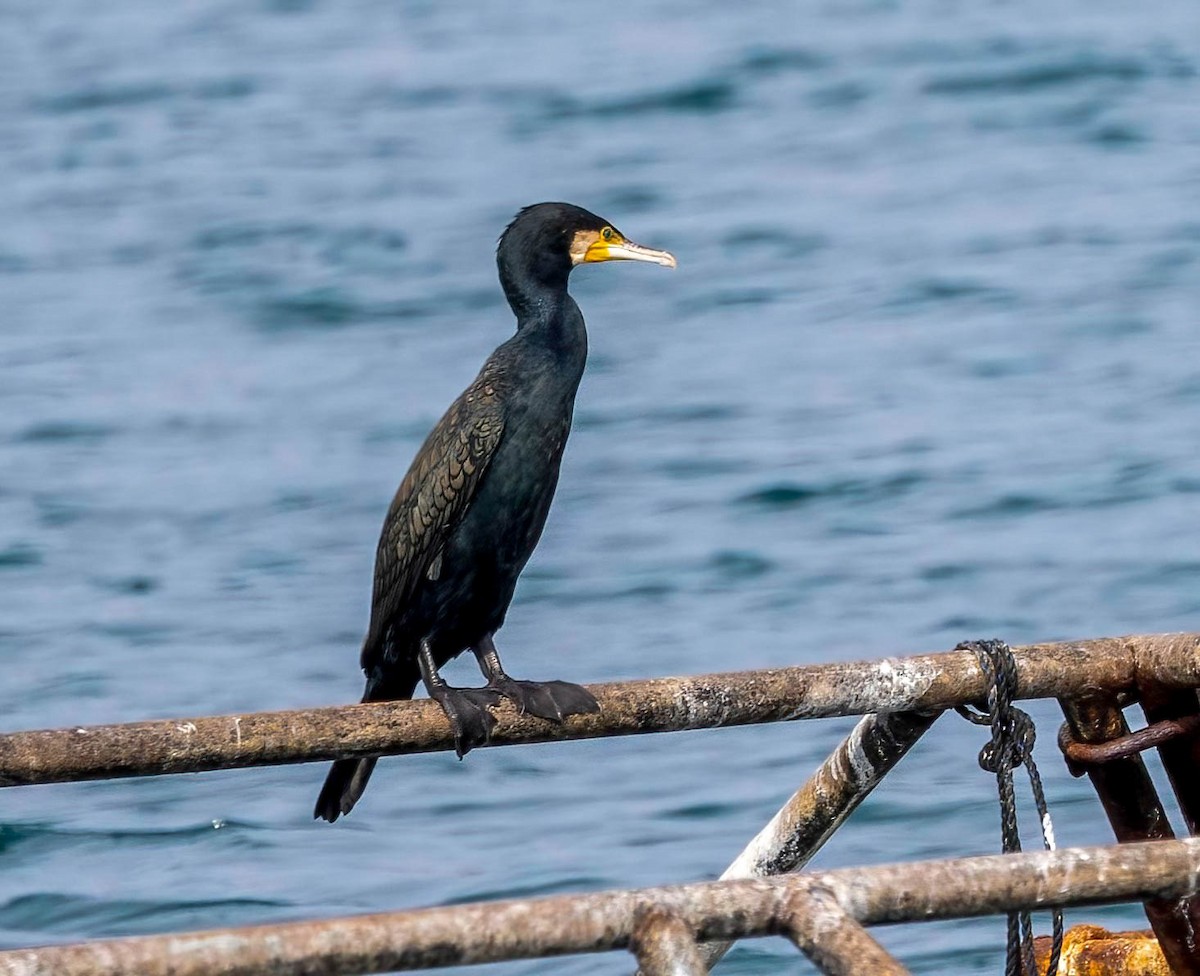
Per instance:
(551,700)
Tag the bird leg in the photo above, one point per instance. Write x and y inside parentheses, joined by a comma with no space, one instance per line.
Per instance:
(466,708)
(551,700)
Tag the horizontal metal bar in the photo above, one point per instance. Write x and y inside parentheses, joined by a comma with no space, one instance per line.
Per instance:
(922,682)
(534,928)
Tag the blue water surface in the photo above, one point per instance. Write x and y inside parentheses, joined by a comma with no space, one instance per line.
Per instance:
(928,371)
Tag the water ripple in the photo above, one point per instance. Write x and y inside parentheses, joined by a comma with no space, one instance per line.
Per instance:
(703,97)
(1039,74)
(20,555)
(55,431)
(53,913)
(789,495)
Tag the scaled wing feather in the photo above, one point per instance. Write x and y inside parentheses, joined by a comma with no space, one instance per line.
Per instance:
(433,498)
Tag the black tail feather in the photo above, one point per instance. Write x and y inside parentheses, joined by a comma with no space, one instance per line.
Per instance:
(343,786)
(348,777)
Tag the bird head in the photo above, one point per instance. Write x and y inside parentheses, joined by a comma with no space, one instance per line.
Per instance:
(545,241)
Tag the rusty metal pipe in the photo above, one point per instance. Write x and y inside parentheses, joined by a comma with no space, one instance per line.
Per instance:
(836,943)
(532,928)
(919,683)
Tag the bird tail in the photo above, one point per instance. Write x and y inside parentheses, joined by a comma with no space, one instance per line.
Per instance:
(348,777)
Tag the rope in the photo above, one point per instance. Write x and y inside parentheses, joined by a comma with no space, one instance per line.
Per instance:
(1013,736)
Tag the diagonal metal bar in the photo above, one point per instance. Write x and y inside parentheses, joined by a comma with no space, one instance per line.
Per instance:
(826,800)
(835,942)
(918,683)
(536,928)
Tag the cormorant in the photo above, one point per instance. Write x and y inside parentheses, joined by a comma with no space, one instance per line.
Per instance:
(471,508)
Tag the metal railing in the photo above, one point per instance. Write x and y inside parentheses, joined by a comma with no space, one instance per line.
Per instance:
(929,681)
(683,930)
(823,913)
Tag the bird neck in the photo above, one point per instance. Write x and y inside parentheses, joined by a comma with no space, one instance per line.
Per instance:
(549,317)
(535,284)
(555,323)
(531,284)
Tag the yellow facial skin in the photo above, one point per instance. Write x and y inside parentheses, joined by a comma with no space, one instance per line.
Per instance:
(608,244)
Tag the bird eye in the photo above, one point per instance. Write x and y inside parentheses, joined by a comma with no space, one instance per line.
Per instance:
(607,234)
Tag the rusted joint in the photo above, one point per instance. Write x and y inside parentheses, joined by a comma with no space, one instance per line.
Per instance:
(664,944)
(1082,754)
(795,905)
(817,923)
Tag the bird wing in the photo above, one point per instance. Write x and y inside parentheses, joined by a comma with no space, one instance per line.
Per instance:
(433,498)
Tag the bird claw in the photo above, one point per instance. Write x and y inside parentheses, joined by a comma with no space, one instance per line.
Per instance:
(467,710)
(549,700)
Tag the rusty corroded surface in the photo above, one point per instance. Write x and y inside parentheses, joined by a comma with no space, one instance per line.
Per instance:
(823,803)
(1089,950)
(665,946)
(835,942)
(1159,733)
(919,683)
(1123,784)
(1136,813)
(1168,661)
(1178,708)
(522,929)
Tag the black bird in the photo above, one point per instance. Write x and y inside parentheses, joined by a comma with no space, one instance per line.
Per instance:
(471,508)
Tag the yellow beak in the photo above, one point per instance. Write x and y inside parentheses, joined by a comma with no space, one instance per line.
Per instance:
(622,250)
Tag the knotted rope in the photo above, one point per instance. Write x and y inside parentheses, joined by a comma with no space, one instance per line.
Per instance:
(1013,736)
